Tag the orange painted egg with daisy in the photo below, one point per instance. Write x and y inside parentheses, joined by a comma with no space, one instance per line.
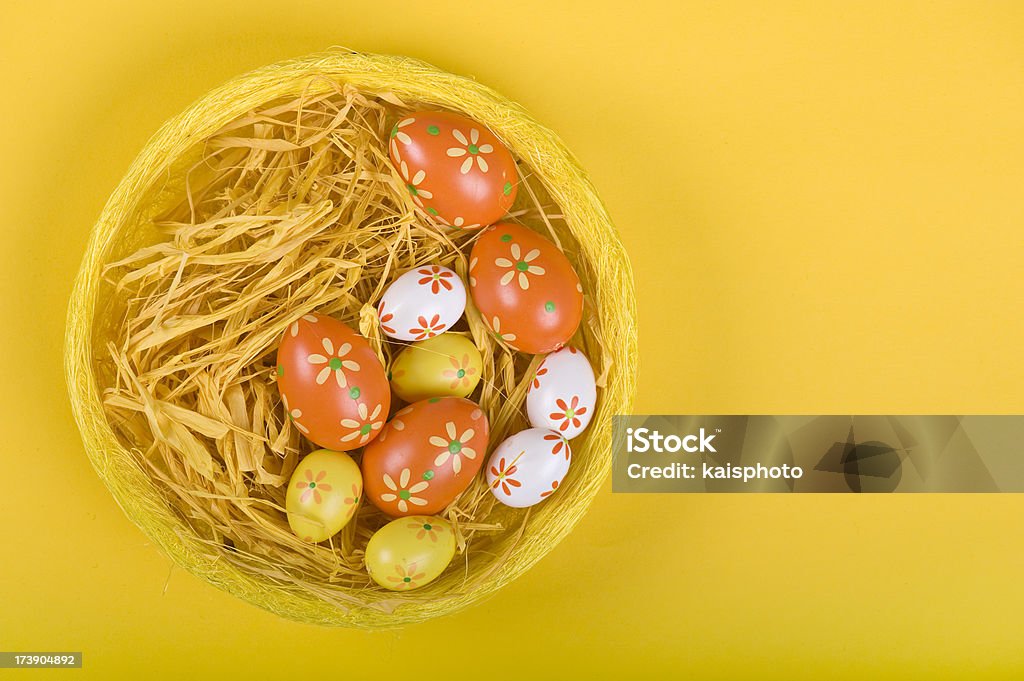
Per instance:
(409,552)
(422,303)
(426,456)
(563,393)
(528,467)
(444,365)
(455,169)
(525,288)
(323,494)
(333,386)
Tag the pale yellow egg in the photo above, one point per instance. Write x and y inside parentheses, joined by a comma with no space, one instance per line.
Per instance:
(442,366)
(409,552)
(323,494)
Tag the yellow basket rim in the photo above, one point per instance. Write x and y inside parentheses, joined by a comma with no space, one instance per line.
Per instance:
(412,80)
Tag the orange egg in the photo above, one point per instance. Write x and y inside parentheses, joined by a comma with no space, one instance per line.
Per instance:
(332,384)
(525,288)
(454,168)
(425,457)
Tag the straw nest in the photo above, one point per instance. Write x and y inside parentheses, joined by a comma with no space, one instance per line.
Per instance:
(269,198)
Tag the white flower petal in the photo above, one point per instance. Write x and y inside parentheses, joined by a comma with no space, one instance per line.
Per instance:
(403,479)
(457,134)
(474,135)
(466,165)
(455,152)
(507,278)
(482,163)
(485,148)
(316,359)
(324,374)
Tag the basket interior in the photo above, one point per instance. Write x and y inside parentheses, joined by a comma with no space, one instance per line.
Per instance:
(326,583)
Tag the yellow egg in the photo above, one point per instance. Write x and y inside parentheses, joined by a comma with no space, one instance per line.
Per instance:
(409,552)
(442,366)
(323,494)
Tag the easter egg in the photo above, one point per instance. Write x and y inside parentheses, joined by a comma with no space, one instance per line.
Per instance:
(528,467)
(332,384)
(323,494)
(454,168)
(444,365)
(409,552)
(422,303)
(525,288)
(426,456)
(562,394)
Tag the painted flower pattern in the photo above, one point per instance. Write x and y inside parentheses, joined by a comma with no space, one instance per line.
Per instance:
(472,266)
(294,328)
(353,499)
(536,377)
(554,488)
(294,415)
(461,372)
(435,278)
(406,577)
(453,446)
(559,445)
(503,473)
(496,328)
(413,181)
(424,529)
(334,362)
(519,267)
(471,149)
(402,492)
(312,486)
(399,135)
(568,414)
(427,328)
(384,318)
(364,427)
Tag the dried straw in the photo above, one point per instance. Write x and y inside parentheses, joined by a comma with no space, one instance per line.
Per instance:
(269,198)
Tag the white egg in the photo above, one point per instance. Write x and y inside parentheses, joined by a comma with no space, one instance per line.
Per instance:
(528,467)
(422,303)
(563,394)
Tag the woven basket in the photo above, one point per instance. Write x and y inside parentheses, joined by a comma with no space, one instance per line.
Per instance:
(599,258)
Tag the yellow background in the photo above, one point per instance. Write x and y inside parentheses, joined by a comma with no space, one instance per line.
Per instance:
(823,205)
